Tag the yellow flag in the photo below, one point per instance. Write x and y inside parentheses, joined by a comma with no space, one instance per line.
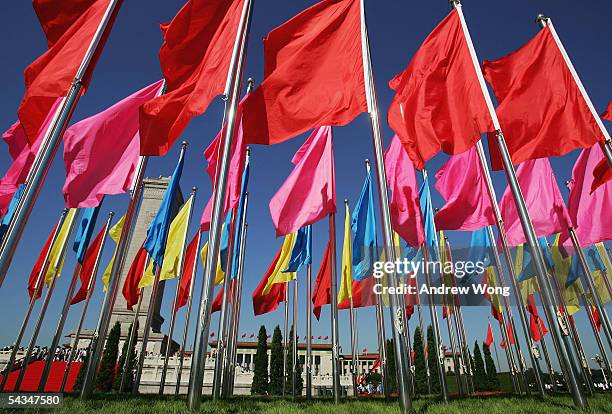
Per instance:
(346,283)
(492,281)
(219,273)
(277,275)
(115,234)
(56,256)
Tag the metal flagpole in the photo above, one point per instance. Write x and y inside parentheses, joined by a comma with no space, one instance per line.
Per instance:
(60,326)
(203,325)
(187,318)
(451,339)
(309,330)
(507,349)
(48,148)
(43,309)
(495,348)
(294,351)
(606,147)
(353,346)
(37,290)
(421,327)
(223,318)
(179,276)
(90,286)
(548,300)
(99,336)
(334,308)
(238,301)
(382,352)
(131,338)
(600,345)
(397,310)
(285,338)
(520,369)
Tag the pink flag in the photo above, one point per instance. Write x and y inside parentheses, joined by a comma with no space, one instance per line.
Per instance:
(23,156)
(405,206)
(588,210)
(212,154)
(544,202)
(309,193)
(463,185)
(101,152)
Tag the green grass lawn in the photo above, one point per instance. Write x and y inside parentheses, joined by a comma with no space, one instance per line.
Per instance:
(116,404)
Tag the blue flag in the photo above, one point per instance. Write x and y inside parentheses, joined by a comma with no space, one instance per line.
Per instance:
(301,254)
(85,231)
(363,224)
(241,212)
(528,270)
(480,247)
(157,234)
(224,244)
(574,272)
(10,211)
(428,218)
(546,253)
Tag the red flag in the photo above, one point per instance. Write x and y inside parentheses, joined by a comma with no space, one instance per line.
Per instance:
(195,58)
(313,74)
(531,305)
(69,27)
(130,286)
(495,312)
(608,112)
(405,205)
(376,364)
(510,336)
(326,338)
(321,295)
(190,261)
(268,303)
(309,193)
(596,317)
(38,266)
(602,173)
(363,294)
(462,184)
(89,263)
(439,80)
(541,109)
(218,302)
(490,338)
(533,327)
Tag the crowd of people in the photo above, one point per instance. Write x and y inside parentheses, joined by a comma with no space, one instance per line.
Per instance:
(62,353)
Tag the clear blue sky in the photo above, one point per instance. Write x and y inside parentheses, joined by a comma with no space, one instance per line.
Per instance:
(396,29)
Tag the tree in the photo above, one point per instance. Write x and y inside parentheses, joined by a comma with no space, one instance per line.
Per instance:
(420,369)
(299,382)
(106,374)
(432,359)
(276,363)
(492,380)
(480,376)
(391,374)
(129,379)
(78,383)
(260,371)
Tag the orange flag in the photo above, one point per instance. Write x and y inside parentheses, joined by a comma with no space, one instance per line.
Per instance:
(38,266)
(321,295)
(130,286)
(190,261)
(268,303)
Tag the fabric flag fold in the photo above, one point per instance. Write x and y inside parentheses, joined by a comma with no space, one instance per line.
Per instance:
(439,79)
(190,262)
(541,109)
(462,184)
(321,294)
(130,290)
(428,218)
(195,58)
(115,234)
(544,202)
(301,254)
(69,27)
(405,209)
(608,112)
(278,276)
(490,338)
(309,193)
(346,283)
(218,302)
(157,233)
(313,74)
(363,294)
(56,256)
(101,152)
(534,321)
(39,264)
(589,210)
(268,302)
(84,232)
(89,264)
(363,224)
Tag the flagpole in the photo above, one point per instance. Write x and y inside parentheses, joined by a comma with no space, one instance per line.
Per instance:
(353,345)
(203,325)
(90,286)
(309,330)
(398,318)
(162,382)
(99,336)
(548,300)
(37,290)
(495,348)
(334,307)
(131,338)
(423,340)
(451,338)
(187,317)
(294,351)
(43,309)
(600,344)
(606,147)
(382,352)
(48,148)
(285,338)
(223,318)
